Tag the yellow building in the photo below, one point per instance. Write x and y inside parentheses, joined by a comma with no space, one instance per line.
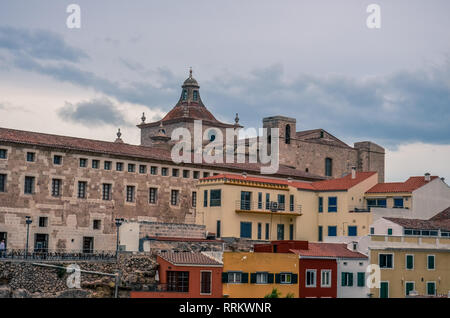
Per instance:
(254,275)
(275,209)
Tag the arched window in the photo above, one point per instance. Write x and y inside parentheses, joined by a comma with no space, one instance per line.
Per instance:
(185,94)
(328,167)
(287,135)
(212,135)
(195,95)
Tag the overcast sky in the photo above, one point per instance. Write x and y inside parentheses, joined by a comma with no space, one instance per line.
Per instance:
(316,61)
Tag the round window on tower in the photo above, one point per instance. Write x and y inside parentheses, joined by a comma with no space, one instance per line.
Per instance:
(212,135)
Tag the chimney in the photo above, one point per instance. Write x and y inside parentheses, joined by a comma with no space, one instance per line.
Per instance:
(353,172)
(427,177)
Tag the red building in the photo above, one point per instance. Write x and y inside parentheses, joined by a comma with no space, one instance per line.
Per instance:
(186,275)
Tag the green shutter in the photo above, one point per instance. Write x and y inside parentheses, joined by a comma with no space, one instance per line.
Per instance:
(252,278)
(361,279)
(430,262)
(277,278)
(430,289)
(270,278)
(294,279)
(343,282)
(224,277)
(244,278)
(409,262)
(350,279)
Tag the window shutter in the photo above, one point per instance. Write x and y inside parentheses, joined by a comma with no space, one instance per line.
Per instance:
(270,278)
(343,283)
(294,278)
(224,277)
(244,278)
(350,279)
(361,279)
(277,278)
(252,278)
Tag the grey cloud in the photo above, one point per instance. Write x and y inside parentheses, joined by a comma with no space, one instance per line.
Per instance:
(93,113)
(40,44)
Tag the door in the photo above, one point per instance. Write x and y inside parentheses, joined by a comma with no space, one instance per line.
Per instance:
(384,290)
(280,232)
(245,200)
(4,238)
(41,242)
(88,244)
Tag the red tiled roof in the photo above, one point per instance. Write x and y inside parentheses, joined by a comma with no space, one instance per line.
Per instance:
(440,221)
(182,239)
(344,183)
(189,258)
(124,149)
(409,185)
(443,215)
(328,250)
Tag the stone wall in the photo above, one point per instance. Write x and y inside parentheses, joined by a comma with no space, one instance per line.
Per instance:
(153,229)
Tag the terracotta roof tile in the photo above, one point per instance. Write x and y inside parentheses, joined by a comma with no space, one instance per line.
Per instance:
(440,221)
(343,183)
(189,258)
(409,185)
(328,250)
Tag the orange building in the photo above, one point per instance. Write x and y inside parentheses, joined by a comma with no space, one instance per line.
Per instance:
(185,275)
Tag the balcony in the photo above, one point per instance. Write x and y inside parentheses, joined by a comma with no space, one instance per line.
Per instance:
(243,206)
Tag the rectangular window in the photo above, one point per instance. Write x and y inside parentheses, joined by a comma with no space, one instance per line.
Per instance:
(218,229)
(328,167)
(372,231)
(259,231)
(194,199)
(196,174)
(205,174)
(2,182)
(95,164)
(205,283)
(398,202)
(361,279)
(281,202)
(83,162)
(286,278)
(106,193)
(215,198)
(376,203)
(56,187)
(260,200)
(97,224)
(174,197)
(409,286)
(280,232)
(30,156)
(131,167)
(352,230)
(82,189)
(320,204)
(246,230)
(175,172)
(389,231)
(29,185)
(267,230)
(430,262)
(385,261)
(246,198)
(347,279)
(3,153)
(325,278)
(310,280)
(320,234)
(130,193)
(153,170)
(43,221)
(332,230)
(431,288)
(178,281)
(185,174)
(332,204)
(205,198)
(119,166)
(261,278)
(164,172)
(234,277)
(107,165)
(291,203)
(153,195)
(142,169)
(267,201)
(291,232)
(409,261)
(57,159)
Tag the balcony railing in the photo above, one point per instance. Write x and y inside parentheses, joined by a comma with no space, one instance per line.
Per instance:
(60,255)
(244,205)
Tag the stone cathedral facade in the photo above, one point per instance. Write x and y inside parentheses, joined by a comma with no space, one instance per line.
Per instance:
(74,188)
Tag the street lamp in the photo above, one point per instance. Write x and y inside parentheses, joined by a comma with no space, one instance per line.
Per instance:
(28,221)
(118,224)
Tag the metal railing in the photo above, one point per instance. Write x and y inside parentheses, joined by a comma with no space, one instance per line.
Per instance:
(244,205)
(162,288)
(57,255)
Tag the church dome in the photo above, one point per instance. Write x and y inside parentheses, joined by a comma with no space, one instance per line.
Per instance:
(190,81)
